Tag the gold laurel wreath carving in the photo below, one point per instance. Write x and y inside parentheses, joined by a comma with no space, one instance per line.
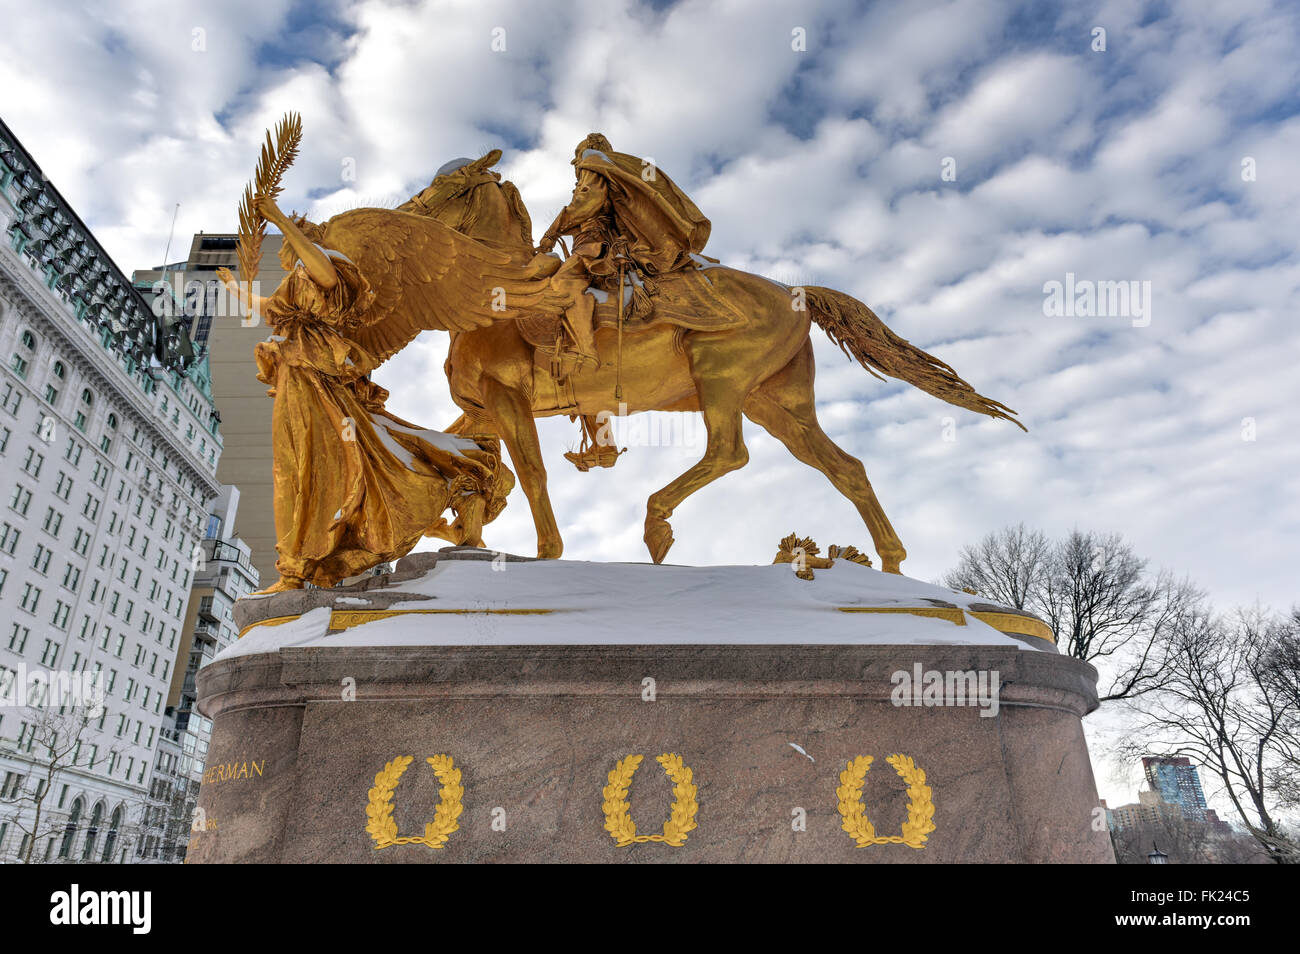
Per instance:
(681,816)
(920,807)
(379,809)
(277,155)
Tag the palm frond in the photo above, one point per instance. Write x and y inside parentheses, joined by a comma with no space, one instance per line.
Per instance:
(277,156)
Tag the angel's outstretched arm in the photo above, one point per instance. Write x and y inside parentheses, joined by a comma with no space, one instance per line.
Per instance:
(243,293)
(317,263)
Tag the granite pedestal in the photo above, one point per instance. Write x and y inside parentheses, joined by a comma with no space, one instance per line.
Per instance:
(302,729)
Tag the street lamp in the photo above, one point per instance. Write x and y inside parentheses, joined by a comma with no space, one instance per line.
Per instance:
(1156,856)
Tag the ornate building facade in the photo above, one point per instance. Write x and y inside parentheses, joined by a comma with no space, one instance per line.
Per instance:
(109,444)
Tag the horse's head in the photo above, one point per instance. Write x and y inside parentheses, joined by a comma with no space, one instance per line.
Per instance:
(468,196)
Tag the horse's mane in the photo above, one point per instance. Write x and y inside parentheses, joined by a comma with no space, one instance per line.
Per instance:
(520,212)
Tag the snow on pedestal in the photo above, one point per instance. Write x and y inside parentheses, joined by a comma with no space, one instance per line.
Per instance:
(569,602)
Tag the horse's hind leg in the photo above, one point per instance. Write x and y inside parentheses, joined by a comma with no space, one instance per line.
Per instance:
(784,405)
(720,406)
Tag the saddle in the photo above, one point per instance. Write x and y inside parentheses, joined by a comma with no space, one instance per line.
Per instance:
(686,299)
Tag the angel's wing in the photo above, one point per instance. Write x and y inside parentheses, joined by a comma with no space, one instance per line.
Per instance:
(427,276)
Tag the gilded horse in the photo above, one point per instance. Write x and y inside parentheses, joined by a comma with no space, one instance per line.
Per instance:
(762,369)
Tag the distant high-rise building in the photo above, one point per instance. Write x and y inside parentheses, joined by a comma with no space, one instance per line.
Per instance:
(223,573)
(228,341)
(1178,783)
(1147,810)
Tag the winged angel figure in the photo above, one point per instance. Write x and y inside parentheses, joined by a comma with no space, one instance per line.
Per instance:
(354,485)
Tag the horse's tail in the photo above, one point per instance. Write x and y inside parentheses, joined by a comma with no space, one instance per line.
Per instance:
(862,335)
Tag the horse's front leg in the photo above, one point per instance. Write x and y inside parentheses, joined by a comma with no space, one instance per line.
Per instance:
(513,415)
(720,406)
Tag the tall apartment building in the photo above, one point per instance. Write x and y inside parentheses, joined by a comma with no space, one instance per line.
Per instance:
(109,444)
(1149,809)
(224,574)
(228,342)
(1178,783)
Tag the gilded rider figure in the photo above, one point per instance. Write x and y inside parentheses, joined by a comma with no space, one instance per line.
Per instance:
(626,214)
(629,224)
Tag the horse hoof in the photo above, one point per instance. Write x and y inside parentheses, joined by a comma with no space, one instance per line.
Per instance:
(549,551)
(658,538)
(890,562)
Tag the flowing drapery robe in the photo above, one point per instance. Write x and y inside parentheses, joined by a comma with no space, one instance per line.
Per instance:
(354,486)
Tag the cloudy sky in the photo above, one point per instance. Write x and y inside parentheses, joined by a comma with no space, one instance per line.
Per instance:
(1169,157)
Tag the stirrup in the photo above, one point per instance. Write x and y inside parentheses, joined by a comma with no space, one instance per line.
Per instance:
(589,457)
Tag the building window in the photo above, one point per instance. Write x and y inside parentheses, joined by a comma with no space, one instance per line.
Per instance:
(18,638)
(41,562)
(92,833)
(33,462)
(8,538)
(70,829)
(12,400)
(110,840)
(31,597)
(20,499)
(19,364)
(110,431)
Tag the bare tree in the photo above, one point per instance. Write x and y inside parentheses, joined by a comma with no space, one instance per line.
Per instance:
(50,744)
(1094,592)
(60,731)
(1185,840)
(1225,708)
(1009,565)
(1280,668)
(176,817)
